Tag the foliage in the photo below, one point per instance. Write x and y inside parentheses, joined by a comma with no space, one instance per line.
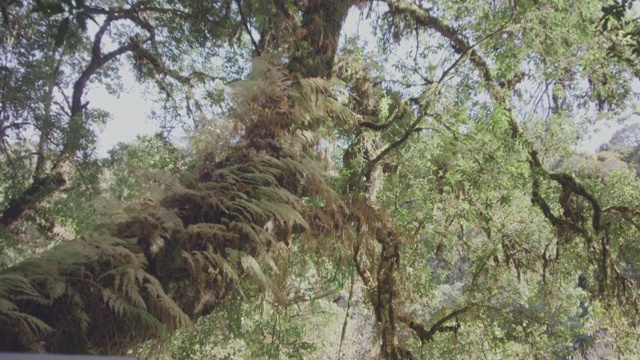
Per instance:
(129,165)
(431,177)
(628,136)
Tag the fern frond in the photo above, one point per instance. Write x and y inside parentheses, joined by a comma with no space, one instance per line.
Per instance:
(35,325)
(251,266)
(113,302)
(277,194)
(190,261)
(208,232)
(284,213)
(248,210)
(6,306)
(251,231)
(128,280)
(82,319)
(228,270)
(55,288)
(18,287)
(176,316)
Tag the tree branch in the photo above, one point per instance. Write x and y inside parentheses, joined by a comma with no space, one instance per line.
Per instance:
(498,94)
(425,335)
(40,189)
(246,27)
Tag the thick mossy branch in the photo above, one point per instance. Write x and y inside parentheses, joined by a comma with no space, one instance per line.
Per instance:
(571,186)
(98,282)
(426,334)
(176,258)
(40,189)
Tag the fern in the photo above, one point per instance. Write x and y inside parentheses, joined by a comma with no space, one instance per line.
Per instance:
(251,232)
(188,240)
(251,266)
(172,312)
(114,302)
(248,209)
(37,327)
(227,267)
(127,280)
(208,232)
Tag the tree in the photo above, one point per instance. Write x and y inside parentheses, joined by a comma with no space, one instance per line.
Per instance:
(625,143)
(128,163)
(48,68)
(628,136)
(430,182)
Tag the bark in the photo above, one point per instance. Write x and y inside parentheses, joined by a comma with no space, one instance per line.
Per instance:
(39,190)
(318,38)
(385,309)
(361,192)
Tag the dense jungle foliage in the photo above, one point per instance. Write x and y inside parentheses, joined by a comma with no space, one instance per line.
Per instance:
(409,190)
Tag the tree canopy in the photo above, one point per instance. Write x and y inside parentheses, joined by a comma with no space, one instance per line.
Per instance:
(409,193)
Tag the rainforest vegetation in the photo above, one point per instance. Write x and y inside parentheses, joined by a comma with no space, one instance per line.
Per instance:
(389,179)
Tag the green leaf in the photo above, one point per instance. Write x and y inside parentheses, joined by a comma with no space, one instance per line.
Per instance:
(81,19)
(48,7)
(61,32)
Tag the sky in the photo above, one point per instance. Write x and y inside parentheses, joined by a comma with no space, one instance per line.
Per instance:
(130,111)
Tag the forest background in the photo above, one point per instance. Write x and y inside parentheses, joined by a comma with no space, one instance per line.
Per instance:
(331,198)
